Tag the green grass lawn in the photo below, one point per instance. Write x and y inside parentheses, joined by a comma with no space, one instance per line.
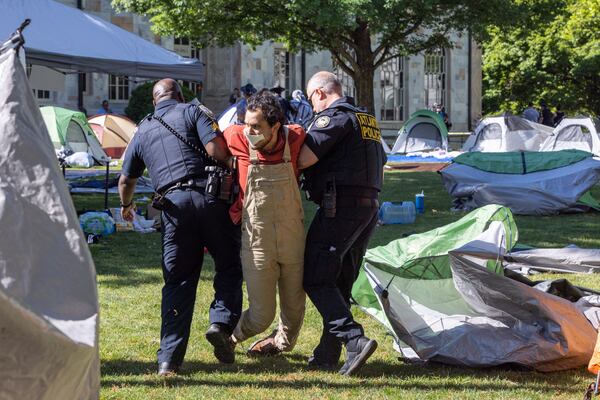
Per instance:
(129,280)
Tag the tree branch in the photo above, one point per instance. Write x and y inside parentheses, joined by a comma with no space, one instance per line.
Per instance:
(382,59)
(342,64)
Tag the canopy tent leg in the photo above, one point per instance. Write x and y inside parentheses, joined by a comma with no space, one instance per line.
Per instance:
(106,186)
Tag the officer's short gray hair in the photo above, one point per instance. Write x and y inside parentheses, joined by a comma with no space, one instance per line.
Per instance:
(327,81)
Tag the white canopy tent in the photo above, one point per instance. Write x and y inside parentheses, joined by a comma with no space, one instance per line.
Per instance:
(70,40)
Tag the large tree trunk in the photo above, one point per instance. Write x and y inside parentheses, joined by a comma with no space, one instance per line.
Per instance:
(363,74)
(363,81)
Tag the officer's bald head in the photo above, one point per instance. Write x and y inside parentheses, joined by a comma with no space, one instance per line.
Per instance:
(166,89)
(323,88)
(327,81)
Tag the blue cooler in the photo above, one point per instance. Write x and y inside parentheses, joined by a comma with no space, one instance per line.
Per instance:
(397,213)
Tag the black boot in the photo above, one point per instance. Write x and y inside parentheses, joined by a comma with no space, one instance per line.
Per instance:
(327,354)
(358,350)
(218,336)
(167,369)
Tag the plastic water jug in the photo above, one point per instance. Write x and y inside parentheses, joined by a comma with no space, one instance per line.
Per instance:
(397,213)
(420,202)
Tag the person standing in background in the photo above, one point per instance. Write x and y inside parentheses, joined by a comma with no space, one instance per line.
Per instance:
(530,113)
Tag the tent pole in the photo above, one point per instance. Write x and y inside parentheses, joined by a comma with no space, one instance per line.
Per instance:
(80,78)
(106,186)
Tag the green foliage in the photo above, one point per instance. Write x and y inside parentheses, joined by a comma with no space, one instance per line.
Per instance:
(140,101)
(553,55)
(360,34)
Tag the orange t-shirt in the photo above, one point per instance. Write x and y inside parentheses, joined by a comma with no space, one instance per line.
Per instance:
(238,145)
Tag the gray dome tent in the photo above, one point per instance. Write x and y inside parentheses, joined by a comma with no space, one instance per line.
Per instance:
(579,133)
(507,133)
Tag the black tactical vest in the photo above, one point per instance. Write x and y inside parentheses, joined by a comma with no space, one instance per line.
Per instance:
(167,158)
(356,162)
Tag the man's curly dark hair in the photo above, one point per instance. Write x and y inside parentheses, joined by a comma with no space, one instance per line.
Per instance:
(268,104)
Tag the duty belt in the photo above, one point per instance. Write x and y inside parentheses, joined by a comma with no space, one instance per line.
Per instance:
(354,201)
(356,191)
(186,183)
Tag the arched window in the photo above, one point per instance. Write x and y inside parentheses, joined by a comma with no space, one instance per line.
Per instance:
(435,77)
(281,69)
(391,77)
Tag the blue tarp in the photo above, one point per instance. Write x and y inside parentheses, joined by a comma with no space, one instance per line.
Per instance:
(397,158)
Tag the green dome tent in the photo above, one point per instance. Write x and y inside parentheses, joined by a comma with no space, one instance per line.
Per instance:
(70,130)
(423,131)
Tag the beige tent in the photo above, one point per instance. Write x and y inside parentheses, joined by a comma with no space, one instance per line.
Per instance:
(113,131)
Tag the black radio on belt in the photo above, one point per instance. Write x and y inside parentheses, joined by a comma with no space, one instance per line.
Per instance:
(222,183)
(160,202)
(329,199)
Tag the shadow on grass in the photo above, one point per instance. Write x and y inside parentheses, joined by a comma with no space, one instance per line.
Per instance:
(399,376)
(132,259)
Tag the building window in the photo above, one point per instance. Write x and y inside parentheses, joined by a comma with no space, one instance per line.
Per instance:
(281,68)
(83,79)
(41,94)
(435,77)
(178,41)
(194,52)
(346,80)
(184,48)
(391,76)
(118,88)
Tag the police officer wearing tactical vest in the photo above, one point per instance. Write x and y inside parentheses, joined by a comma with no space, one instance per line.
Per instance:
(176,143)
(344,160)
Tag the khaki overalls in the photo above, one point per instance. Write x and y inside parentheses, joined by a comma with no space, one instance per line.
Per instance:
(272,250)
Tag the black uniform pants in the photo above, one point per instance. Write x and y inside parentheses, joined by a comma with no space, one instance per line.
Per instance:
(192,221)
(334,250)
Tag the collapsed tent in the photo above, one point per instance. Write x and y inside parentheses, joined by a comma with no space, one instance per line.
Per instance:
(423,131)
(575,133)
(48,296)
(96,46)
(444,297)
(530,183)
(71,133)
(114,132)
(568,259)
(507,133)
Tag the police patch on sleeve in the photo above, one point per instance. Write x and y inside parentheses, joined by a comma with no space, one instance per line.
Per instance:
(369,129)
(206,111)
(214,126)
(322,122)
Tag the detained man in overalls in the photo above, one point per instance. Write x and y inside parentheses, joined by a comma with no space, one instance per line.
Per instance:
(270,211)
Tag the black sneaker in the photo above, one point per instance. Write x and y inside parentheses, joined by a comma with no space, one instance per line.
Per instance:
(357,352)
(221,341)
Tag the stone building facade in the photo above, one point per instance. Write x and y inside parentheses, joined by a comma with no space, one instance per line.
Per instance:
(451,77)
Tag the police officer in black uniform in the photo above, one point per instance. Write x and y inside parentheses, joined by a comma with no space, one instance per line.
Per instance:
(191,219)
(345,158)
